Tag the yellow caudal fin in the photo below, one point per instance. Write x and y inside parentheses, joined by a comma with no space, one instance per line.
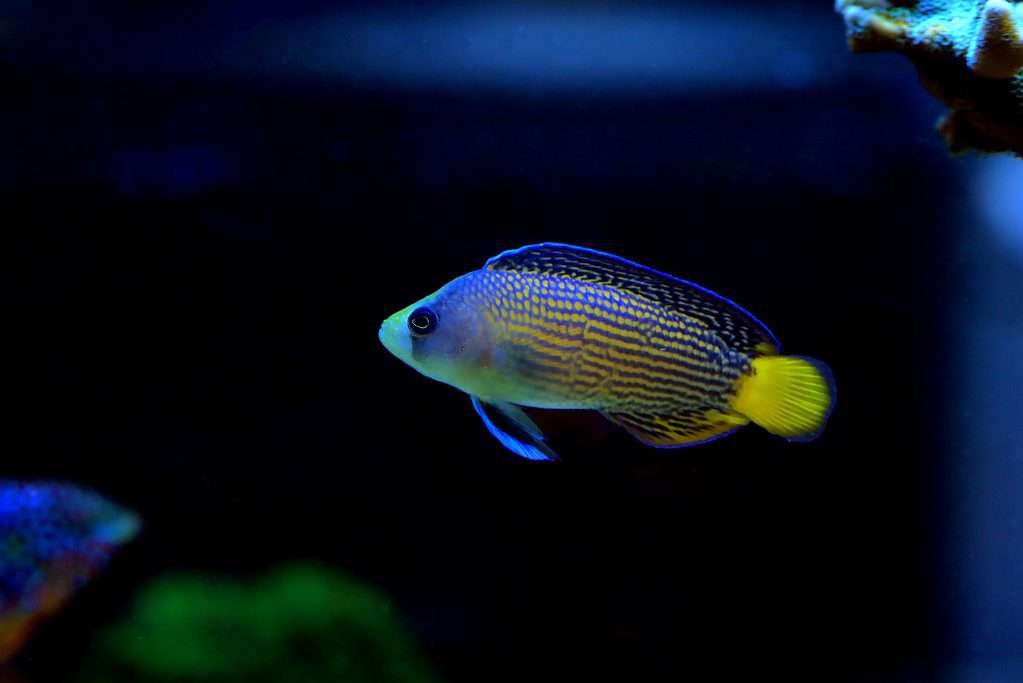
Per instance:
(790,396)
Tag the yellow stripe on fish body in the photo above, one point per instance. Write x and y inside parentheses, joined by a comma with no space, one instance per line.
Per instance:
(670,361)
(580,345)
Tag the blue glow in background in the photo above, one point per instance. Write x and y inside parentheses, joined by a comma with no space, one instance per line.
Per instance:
(556,50)
(987,455)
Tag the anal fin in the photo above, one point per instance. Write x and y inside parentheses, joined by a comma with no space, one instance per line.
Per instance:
(684,428)
(514,429)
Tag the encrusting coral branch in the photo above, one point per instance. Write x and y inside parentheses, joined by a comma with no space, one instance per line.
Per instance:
(968,54)
(996,50)
(869,31)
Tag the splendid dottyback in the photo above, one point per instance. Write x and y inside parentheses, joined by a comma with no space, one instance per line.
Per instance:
(558,326)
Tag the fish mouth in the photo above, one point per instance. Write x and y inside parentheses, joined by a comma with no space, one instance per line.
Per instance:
(394,336)
(119,528)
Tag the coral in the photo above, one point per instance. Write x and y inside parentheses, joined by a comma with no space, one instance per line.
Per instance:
(299,623)
(968,54)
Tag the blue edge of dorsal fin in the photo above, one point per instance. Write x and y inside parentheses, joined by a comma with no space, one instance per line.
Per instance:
(527,440)
(512,255)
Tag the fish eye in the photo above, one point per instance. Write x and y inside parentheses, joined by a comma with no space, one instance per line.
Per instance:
(422,321)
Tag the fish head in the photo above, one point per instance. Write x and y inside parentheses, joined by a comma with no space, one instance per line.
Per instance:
(54,537)
(83,528)
(110,525)
(445,336)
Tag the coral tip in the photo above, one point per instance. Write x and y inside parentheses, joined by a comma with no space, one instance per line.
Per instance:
(996,50)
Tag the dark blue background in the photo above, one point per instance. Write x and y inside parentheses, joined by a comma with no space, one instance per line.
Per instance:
(207,212)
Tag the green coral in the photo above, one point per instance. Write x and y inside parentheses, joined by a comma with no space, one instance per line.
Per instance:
(302,623)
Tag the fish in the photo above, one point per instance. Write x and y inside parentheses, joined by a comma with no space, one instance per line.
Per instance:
(54,537)
(557,326)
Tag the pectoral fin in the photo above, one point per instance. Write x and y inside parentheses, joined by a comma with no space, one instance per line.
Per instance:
(514,429)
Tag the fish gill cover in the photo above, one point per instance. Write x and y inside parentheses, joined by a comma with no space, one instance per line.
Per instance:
(969,55)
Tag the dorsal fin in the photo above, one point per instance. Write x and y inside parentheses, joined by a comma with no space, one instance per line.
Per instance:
(738,328)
